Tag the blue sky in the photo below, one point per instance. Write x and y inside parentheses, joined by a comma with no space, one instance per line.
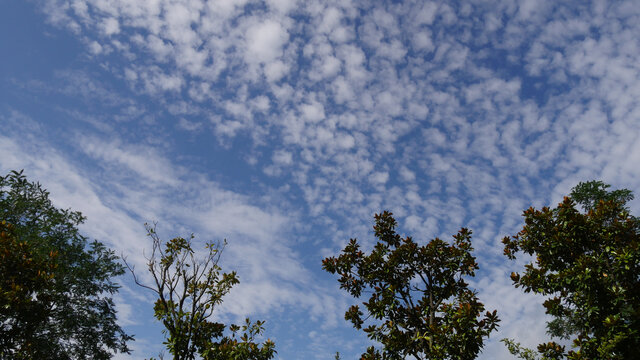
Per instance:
(284,125)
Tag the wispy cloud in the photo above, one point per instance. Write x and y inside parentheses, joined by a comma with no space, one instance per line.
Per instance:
(129,185)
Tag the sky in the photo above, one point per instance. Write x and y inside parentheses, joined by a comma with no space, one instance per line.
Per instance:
(284,126)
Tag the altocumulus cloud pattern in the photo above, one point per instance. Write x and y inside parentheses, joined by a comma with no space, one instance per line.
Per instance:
(284,125)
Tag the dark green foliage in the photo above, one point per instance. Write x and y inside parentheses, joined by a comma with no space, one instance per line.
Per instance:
(422,304)
(242,347)
(188,289)
(589,194)
(589,265)
(55,287)
(23,276)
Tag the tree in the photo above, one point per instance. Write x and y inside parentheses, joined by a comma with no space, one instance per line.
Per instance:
(189,288)
(23,276)
(420,300)
(588,264)
(55,287)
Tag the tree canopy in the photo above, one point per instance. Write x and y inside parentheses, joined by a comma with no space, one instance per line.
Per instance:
(189,288)
(587,263)
(419,299)
(56,287)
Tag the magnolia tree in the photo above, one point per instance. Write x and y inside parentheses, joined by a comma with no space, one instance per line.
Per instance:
(418,299)
(588,265)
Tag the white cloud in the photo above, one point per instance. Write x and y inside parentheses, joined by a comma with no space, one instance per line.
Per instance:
(407,174)
(159,47)
(265,41)
(422,41)
(189,125)
(312,112)
(380,177)
(282,6)
(282,157)
(110,26)
(144,161)
(262,103)
(276,70)
(95,48)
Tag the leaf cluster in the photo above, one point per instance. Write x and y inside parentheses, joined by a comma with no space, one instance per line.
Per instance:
(420,303)
(25,283)
(243,346)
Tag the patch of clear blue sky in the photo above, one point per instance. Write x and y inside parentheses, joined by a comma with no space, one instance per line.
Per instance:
(30,47)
